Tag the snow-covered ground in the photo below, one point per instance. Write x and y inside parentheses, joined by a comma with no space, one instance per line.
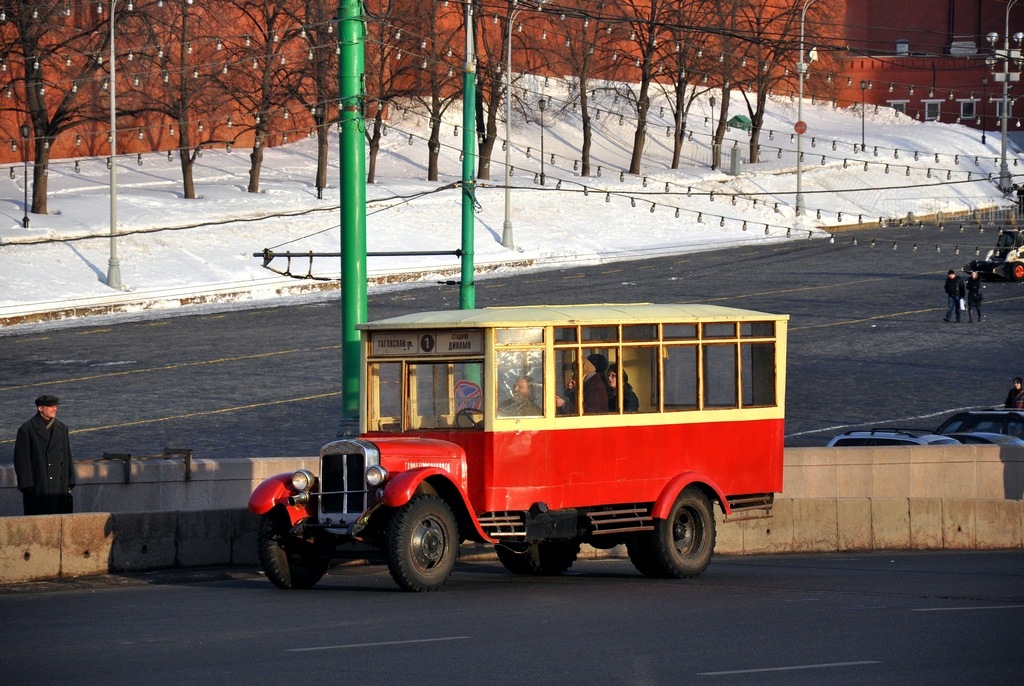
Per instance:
(175,249)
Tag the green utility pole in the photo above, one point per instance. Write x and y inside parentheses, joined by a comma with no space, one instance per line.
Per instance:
(351,33)
(467,288)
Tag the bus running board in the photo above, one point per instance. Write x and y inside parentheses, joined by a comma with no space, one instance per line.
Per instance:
(744,507)
(620,520)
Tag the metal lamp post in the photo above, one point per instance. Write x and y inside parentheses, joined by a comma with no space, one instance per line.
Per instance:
(506,228)
(542,104)
(113,265)
(863,88)
(801,69)
(1006,55)
(984,99)
(24,144)
(714,132)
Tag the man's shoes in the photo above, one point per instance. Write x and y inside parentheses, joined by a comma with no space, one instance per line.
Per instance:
(945,319)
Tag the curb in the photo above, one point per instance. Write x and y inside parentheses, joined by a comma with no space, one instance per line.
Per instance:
(172,299)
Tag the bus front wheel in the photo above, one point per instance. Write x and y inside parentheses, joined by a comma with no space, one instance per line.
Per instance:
(287,563)
(422,544)
(682,544)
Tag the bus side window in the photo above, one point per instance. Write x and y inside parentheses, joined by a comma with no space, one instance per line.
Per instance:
(638,378)
(758,364)
(567,390)
(680,369)
(520,385)
(720,388)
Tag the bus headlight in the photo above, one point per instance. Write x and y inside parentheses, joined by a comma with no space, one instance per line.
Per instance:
(302,480)
(376,475)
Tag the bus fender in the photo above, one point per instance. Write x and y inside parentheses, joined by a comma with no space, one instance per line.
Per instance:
(400,489)
(673,488)
(277,490)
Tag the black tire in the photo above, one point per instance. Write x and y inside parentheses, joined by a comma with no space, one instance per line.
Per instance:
(422,544)
(640,549)
(681,546)
(289,564)
(1017,271)
(548,558)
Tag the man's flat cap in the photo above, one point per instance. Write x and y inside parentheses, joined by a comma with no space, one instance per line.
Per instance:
(47,401)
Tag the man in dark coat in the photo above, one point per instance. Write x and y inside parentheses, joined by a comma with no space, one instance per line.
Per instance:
(42,461)
(954,294)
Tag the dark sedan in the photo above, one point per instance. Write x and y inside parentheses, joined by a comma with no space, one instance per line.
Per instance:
(1007,422)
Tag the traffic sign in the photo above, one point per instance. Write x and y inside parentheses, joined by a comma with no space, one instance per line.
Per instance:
(800,127)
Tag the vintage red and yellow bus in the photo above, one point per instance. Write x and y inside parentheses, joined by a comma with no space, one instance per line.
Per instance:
(538,429)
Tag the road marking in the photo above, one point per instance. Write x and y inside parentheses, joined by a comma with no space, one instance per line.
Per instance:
(170,367)
(823,665)
(349,646)
(968,609)
(192,415)
(899,422)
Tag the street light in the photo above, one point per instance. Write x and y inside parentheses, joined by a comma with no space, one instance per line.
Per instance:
(506,229)
(113,265)
(801,69)
(714,132)
(1006,55)
(542,104)
(863,87)
(984,99)
(24,154)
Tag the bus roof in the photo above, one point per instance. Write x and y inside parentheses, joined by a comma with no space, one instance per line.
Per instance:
(567,315)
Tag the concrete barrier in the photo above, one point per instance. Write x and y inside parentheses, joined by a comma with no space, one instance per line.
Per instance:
(156,515)
(54,546)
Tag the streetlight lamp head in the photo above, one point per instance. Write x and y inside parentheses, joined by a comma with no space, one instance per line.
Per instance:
(24,130)
(1018,37)
(863,85)
(542,104)
(992,38)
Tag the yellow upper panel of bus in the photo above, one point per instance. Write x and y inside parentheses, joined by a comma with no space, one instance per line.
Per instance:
(567,315)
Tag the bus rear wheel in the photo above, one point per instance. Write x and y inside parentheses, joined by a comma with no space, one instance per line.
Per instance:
(422,544)
(681,545)
(287,563)
(548,558)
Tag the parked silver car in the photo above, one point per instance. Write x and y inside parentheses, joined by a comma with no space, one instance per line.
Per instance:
(896,436)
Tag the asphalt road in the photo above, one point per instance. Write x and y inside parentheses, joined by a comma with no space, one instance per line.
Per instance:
(868,346)
(899,618)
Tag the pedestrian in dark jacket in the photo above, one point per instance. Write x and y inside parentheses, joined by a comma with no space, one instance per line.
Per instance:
(1015,398)
(974,296)
(42,461)
(954,293)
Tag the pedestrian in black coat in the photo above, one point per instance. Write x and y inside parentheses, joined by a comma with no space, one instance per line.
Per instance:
(42,461)
(1015,398)
(974,296)
(954,293)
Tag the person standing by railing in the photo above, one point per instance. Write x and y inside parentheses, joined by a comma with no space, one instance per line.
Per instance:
(42,461)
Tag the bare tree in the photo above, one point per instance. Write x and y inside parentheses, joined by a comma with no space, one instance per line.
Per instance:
(773,29)
(587,55)
(388,74)
(268,57)
(438,84)
(180,46)
(53,53)
(319,85)
(650,22)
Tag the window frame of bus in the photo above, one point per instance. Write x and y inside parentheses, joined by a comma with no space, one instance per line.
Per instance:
(528,341)
(748,346)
